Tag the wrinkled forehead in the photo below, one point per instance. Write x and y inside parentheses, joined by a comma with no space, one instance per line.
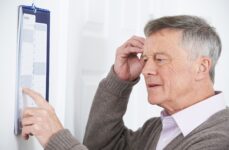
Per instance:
(165,41)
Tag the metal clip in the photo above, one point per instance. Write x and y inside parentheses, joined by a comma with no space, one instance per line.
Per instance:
(34,8)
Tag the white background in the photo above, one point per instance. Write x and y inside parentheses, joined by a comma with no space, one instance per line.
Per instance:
(84,37)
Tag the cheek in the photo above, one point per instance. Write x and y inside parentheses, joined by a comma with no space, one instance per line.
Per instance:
(168,74)
(175,80)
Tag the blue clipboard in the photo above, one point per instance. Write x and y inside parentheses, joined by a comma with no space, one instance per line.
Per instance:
(33,50)
(42,16)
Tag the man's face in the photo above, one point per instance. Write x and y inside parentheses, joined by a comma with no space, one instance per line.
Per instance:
(168,73)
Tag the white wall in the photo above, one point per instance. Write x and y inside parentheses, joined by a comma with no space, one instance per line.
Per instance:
(58,53)
(84,38)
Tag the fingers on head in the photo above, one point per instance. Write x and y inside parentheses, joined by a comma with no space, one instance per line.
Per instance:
(138,38)
(133,50)
(133,43)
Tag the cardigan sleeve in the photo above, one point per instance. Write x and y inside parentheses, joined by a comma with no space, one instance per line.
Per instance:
(105,128)
(63,140)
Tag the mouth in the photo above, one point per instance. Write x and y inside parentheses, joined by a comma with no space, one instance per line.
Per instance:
(153,85)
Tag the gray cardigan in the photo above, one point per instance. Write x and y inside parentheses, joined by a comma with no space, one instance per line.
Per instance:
(106,130)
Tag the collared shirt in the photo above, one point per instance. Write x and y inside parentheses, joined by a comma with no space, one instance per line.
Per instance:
(179,123)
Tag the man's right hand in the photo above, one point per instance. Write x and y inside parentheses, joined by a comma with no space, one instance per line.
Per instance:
(41,121)
(127,65)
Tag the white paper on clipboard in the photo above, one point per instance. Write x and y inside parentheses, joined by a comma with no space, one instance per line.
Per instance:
(32,62)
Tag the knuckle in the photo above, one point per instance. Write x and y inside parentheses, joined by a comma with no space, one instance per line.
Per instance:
(119,51)
(39,119)
(134,36)
(25,111)
(36,128)
(44,112)
(120,48)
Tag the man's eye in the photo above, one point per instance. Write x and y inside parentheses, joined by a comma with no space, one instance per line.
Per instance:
(161,60)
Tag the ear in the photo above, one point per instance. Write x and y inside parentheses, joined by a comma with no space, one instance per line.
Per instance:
(203,68)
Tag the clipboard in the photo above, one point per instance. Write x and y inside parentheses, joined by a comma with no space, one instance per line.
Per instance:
(33,44)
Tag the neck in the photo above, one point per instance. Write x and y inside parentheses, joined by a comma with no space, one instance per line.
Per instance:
(197,95)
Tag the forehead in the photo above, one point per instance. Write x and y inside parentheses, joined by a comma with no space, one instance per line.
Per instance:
(164,41)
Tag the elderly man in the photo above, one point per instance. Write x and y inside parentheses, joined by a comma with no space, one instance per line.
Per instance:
(178,59)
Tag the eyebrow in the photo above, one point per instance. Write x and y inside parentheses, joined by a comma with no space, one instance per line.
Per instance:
(157,53)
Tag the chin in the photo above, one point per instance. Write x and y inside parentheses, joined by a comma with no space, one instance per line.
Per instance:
(154,100)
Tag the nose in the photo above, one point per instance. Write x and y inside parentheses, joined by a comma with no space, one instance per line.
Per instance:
(149,68)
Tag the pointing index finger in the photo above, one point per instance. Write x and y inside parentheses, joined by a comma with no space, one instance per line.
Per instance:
(38,99)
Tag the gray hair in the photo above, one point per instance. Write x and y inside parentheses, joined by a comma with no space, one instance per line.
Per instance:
(197,35)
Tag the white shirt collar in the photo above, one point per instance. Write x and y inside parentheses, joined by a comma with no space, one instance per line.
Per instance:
(190,118)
